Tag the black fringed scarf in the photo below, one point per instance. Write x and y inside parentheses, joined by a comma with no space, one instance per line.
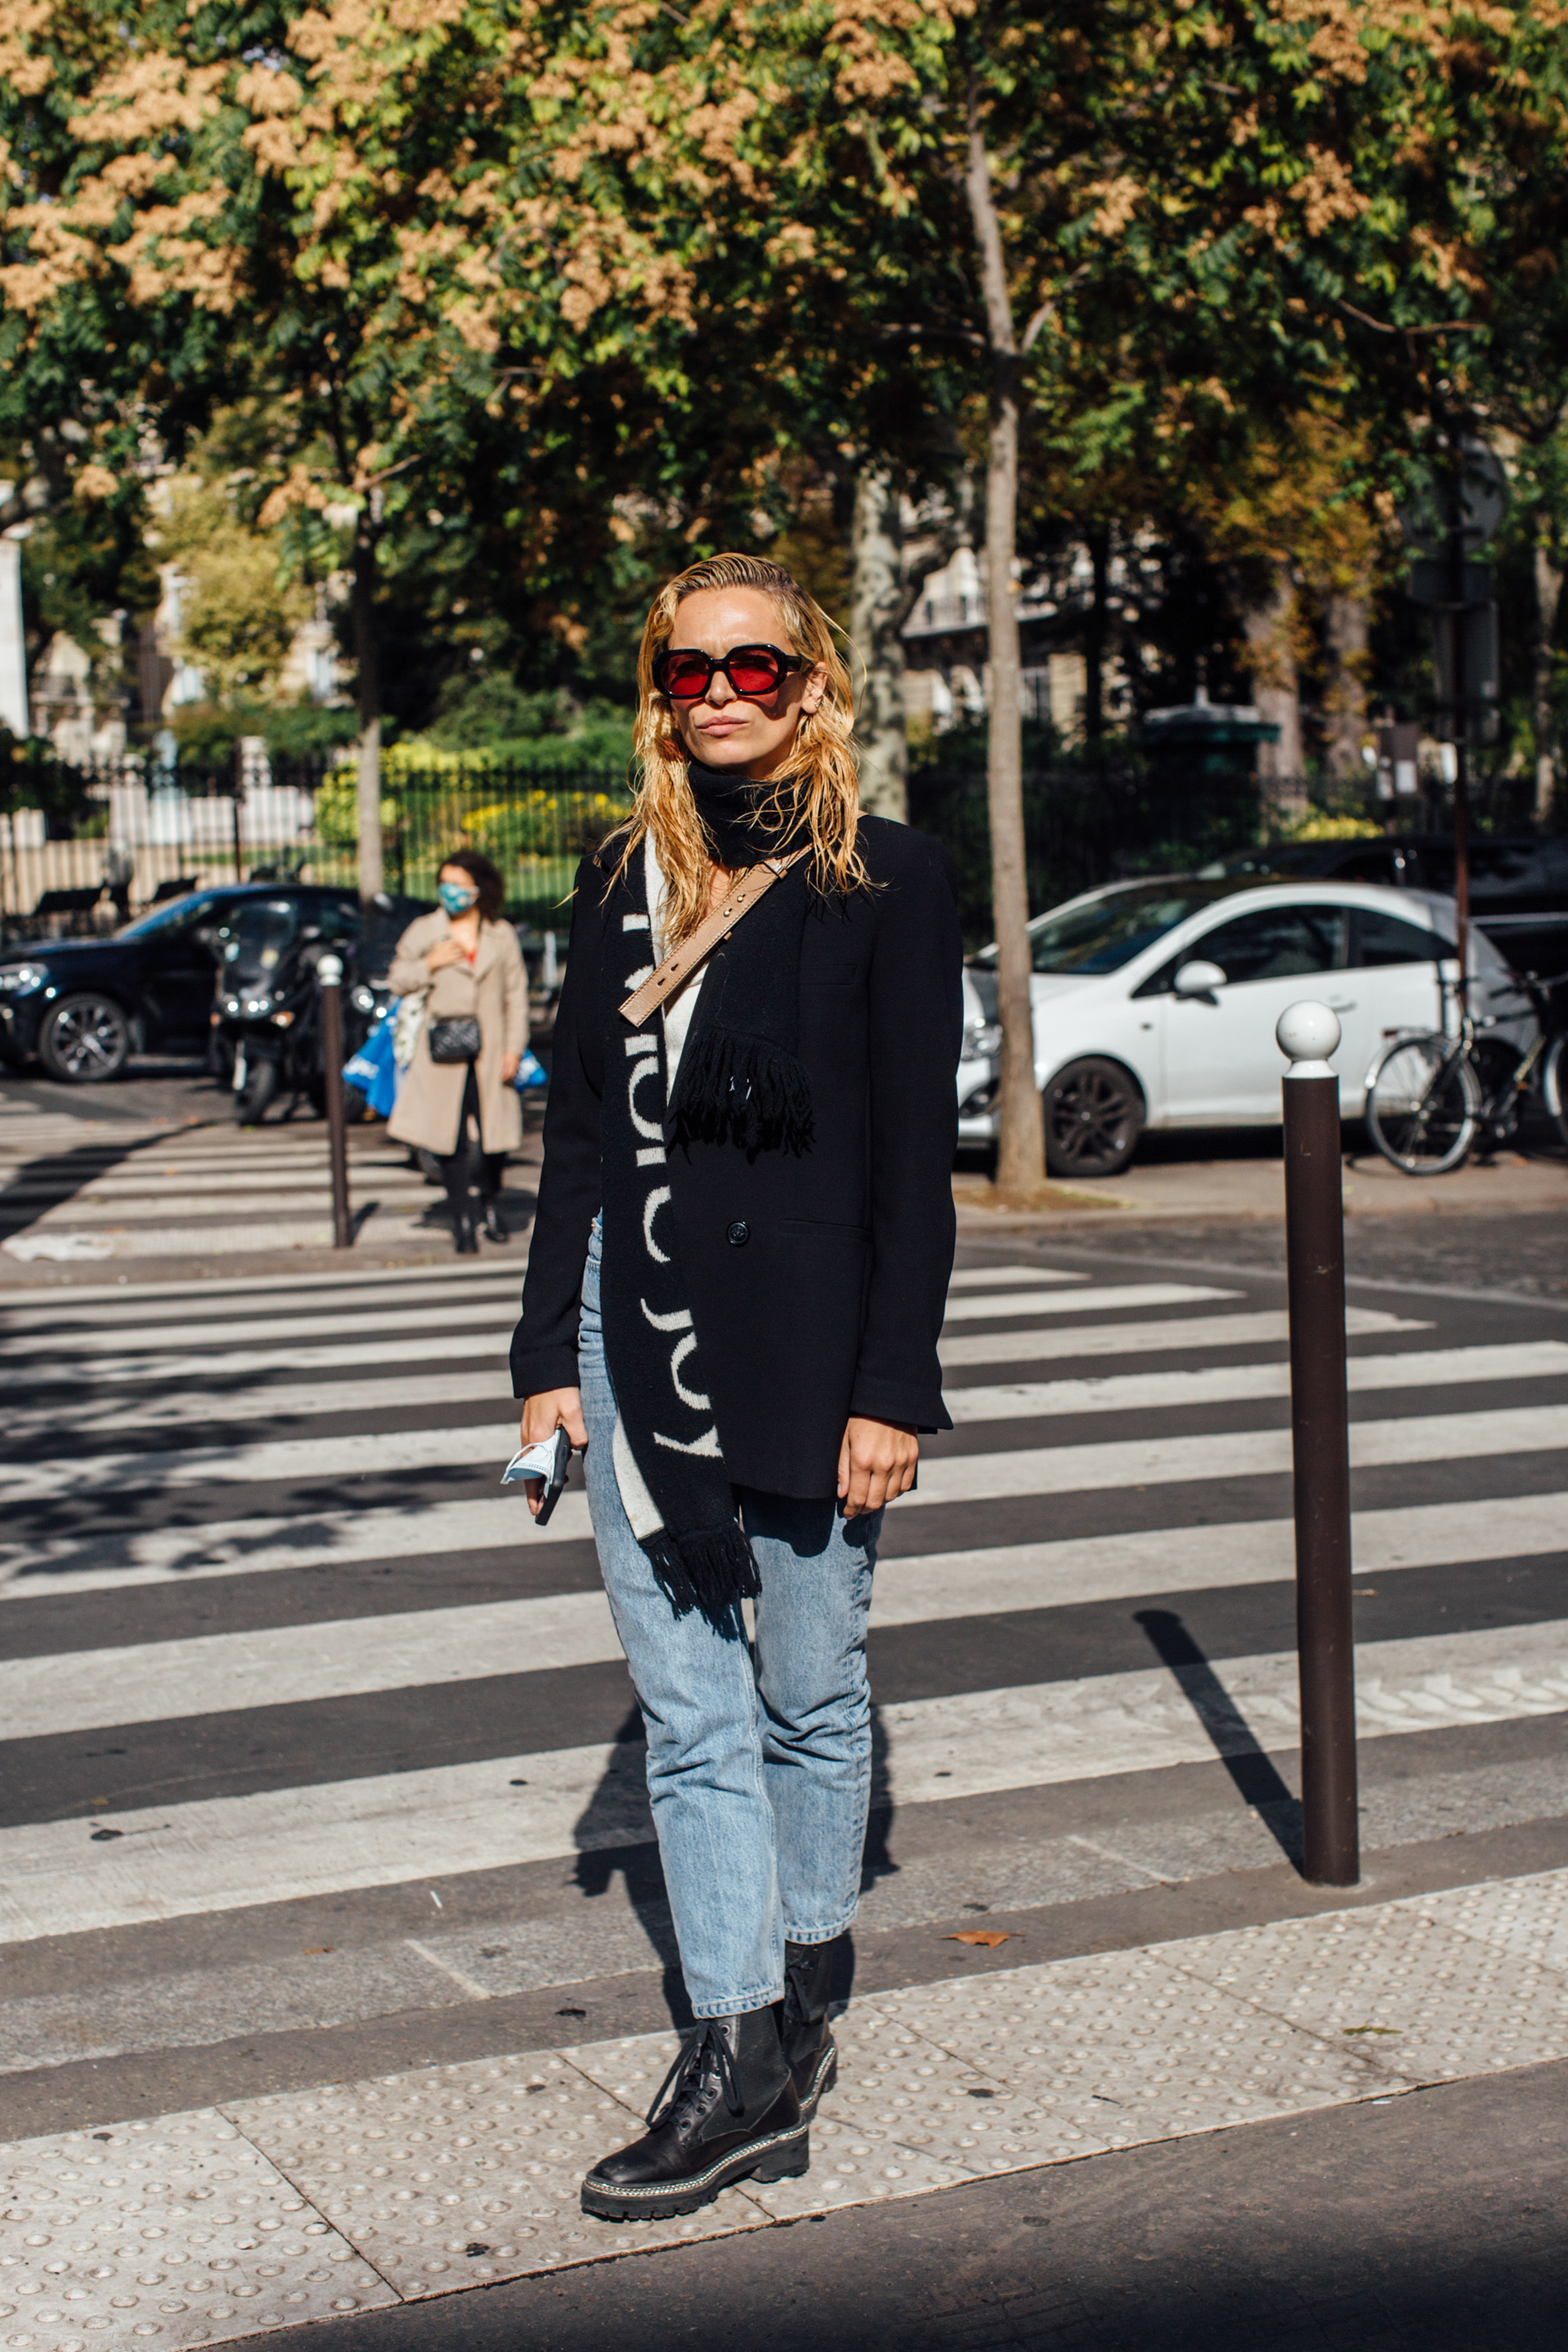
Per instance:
(741,1083)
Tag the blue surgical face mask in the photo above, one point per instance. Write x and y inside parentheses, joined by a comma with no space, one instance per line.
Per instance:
(454,898)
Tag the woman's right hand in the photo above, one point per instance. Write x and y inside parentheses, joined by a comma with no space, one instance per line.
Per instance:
(542,1415)
(444,953)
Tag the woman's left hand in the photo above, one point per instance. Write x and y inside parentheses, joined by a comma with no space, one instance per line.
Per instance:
(510,1065)
(877,1462)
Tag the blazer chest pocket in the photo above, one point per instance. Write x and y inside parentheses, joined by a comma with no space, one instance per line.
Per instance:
(831,975)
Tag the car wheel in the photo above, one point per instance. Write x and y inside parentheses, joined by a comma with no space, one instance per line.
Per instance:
(1094,1117)
(84,1040)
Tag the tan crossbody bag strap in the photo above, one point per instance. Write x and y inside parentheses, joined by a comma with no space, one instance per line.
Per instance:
(739,899)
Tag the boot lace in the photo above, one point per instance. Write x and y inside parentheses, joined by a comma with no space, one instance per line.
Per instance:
(704,2053)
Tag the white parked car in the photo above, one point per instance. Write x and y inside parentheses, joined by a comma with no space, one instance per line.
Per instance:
(1155,1002)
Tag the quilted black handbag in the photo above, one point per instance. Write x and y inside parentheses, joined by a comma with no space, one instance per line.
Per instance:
(455,1040)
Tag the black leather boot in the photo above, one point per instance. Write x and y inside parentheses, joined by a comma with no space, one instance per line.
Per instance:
(808,2047)
(730,2114)
(494,1228)
(467,1239)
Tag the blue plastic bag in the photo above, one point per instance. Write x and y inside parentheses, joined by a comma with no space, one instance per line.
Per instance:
(531,1072)
(373,1070)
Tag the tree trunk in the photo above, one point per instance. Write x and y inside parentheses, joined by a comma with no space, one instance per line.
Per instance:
(1095,635)
(368,661)
(1548,595)
(879,606)
(1020,1156)
(1276,692)
(1346,627)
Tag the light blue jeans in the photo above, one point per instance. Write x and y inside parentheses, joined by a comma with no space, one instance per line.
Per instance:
(758,1775)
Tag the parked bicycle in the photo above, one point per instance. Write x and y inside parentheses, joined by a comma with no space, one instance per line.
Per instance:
(1431,1096)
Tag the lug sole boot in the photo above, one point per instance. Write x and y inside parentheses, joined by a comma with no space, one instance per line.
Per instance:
(730,2114)
(804,2034)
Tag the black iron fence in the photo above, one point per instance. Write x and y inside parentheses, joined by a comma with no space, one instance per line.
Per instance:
(535,826)
(80,849)
(1084,825)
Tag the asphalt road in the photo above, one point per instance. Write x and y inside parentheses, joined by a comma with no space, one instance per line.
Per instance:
(316,1768)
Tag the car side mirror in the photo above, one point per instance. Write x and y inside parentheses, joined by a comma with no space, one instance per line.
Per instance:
(1198,979)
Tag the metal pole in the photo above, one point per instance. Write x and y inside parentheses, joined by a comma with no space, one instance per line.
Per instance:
(330,975)
(1460,668)
(1320,1430)
(1462,851)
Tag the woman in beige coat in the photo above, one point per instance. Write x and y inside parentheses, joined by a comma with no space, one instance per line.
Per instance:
(466,963)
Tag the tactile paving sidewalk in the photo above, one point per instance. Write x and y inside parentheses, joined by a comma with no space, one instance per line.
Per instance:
(199,2228)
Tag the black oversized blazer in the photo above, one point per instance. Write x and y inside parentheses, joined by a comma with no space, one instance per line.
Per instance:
(816,1283)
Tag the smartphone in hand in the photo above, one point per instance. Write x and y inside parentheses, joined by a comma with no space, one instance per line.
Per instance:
(549,1461)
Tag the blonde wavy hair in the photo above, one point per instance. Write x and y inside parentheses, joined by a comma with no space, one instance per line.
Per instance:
(817,785)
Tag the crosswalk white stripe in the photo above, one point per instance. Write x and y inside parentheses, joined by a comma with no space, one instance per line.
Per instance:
(437,1533)
(149,1183)
(293,1229)
(182,1147)
(1000,1277)
(497,1287)
(285,1664)
(98,1411)
(99,1562)
(923,1589)
(1233,1453)
(432,1346)
(977,1477)
(221,1853)
(1179,1334)
(16,1306)
(479,1315)
(1232,1383)
(968,1309)
(1008,1346)
(95,1415)
(492,1316)
(84,1210)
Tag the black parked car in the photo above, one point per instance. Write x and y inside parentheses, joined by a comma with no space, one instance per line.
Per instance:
(84,1007)
(1519,883)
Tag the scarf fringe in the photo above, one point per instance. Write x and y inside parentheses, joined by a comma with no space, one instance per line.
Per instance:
(743,1090)
(708,1571)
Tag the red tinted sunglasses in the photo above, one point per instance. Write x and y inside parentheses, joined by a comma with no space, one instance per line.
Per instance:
(754,671)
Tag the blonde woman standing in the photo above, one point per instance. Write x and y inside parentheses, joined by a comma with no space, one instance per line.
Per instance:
(456,1099)
(734,1289)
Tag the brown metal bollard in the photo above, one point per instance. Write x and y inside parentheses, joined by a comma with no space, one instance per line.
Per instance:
(330,977)
(1320,1430)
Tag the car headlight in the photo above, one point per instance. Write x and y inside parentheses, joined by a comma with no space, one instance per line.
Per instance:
(981,1039)
(22,979)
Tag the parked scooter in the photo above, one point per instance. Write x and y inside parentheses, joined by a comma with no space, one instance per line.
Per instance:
(268,1013)
(266,1017)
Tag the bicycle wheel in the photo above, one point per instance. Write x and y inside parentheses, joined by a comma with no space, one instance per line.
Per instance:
(1422,1105)
(1554,1083)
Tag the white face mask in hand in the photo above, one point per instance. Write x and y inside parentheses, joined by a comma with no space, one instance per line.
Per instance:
(548,1461)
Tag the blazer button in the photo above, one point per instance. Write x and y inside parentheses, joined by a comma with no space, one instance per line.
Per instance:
(739,1234)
